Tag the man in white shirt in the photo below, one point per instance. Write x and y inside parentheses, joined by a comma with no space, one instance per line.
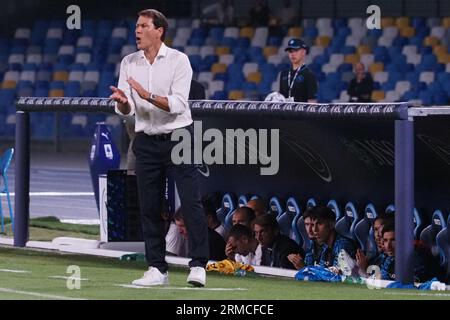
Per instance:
(242,246)
(154,86)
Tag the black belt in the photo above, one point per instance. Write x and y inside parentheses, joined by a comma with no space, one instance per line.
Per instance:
(158,137)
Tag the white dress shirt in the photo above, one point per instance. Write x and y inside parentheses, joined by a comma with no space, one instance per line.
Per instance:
(169,76)
(253,258)
(175,242)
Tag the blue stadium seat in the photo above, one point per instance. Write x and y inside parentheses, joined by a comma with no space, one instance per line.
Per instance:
(332,204)
(416,40)
(228,205)
(216,33)
(381,55)
(426,97)
(310,32)
(73,89)
(274,41)
(286,219)
(7,97)
(346,225)
(311,203)
(339,23)
(428,235)
(443,244)
(42,125)
(419,224)
(364,232)
(299,231)
(275,207)
(219,95)
(242,200)
(417,218)
(440,98)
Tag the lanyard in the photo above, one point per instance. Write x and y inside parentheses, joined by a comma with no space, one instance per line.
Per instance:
(291,84)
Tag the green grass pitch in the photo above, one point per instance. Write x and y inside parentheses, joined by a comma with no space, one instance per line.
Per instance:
(44,272)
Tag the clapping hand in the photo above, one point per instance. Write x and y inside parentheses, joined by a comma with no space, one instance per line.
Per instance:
(144,94)
(118,95)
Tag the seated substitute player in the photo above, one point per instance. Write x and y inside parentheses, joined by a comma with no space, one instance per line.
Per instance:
(210,207)
(258,206)
(242,246)
(298,83)
(275,246)
(331,242)
(243,215)
(312,249)
(215,240)
(425,267)
(362,261)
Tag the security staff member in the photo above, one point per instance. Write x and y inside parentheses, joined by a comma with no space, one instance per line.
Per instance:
(298,83)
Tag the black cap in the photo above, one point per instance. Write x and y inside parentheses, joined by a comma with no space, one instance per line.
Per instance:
(297,44)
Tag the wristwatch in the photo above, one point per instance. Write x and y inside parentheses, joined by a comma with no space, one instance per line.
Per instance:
(152,97)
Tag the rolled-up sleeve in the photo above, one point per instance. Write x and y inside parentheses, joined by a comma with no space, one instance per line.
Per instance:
(178,99)
(125,87)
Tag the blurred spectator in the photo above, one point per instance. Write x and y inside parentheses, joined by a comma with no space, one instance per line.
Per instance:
(242,246)
(288,14)
(260,14)
(222,10)
(275,246)
(360,88)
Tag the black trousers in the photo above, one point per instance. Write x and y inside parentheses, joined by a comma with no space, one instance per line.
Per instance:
(153,162)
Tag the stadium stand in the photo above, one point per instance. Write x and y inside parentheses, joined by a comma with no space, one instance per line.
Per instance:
(409,59)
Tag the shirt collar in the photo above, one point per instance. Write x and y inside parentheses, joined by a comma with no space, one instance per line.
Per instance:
(161,53)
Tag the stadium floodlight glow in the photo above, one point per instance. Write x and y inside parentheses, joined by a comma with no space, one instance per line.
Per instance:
(249,144)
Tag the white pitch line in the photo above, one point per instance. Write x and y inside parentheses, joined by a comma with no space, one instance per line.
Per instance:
(36,294)
(131,286)
(57,194)
(14,271)
(66,278)
(419,294)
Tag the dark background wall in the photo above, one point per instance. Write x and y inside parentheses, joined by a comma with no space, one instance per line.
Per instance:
(22,13)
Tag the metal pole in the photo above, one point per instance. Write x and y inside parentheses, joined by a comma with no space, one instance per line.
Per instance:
(404,200)
(56,132)
(22,182)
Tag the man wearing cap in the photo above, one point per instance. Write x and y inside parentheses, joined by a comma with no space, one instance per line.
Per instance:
(298,83)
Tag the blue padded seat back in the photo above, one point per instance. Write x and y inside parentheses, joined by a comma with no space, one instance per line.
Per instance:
(428,235)
(228,205)
(346,225)
(364,231)
(275,207)
(285,220)
(332,204)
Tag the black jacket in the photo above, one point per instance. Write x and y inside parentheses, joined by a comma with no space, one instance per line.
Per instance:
(276,256)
